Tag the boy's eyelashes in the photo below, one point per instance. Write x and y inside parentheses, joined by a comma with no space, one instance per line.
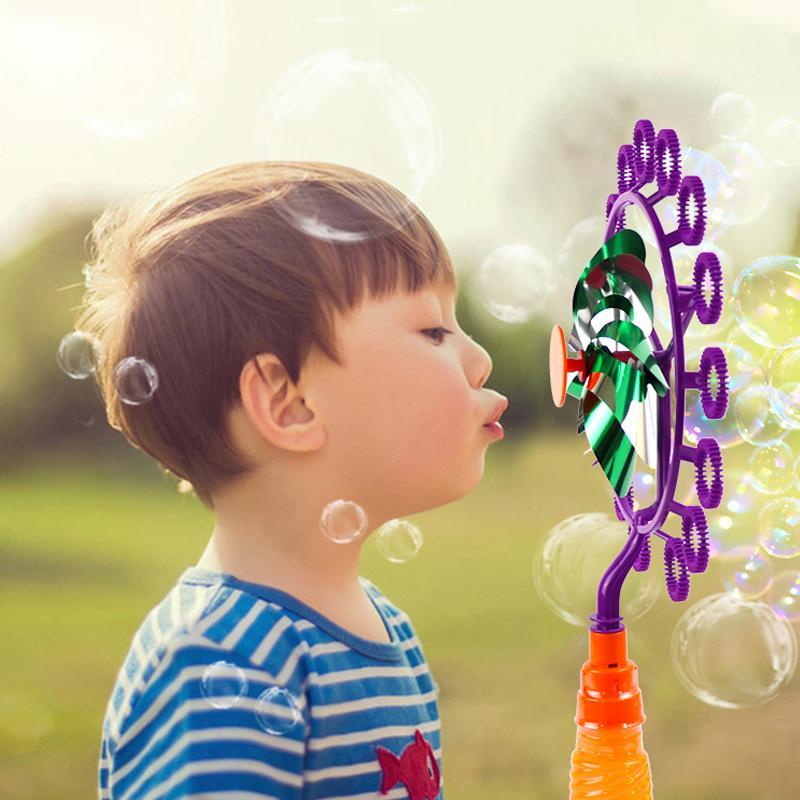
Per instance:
(439,333)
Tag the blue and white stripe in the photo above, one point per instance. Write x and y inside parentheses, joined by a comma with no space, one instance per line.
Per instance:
(163,739)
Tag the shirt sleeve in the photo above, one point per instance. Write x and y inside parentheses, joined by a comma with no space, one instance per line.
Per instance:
(210,722)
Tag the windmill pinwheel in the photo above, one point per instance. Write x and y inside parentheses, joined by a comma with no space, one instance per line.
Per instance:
(631,391)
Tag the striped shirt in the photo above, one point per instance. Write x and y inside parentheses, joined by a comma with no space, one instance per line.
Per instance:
(238,690)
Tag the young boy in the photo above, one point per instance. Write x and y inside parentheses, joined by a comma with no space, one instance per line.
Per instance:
(290,365)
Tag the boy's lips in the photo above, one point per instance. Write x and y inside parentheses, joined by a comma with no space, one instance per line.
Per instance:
(498,412)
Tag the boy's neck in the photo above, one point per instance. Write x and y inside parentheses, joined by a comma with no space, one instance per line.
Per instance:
(301,561)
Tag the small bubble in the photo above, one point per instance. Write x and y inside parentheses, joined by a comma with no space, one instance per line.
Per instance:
(745,195)
(278,711)
(784,595)
(399,540)
(771,468)
(749,573)
(765,300)
(515,282)
(756,421)
(343,521)
(136,380)
(731,115)
(223,684)
(784,382)
(783,141)
(78,354)
(779,527)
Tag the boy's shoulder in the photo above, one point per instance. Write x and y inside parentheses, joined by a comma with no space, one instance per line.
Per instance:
(216,628)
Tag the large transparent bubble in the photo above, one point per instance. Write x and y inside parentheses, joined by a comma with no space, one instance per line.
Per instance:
(571,560)
(367,114)
(766,296)
(733,652)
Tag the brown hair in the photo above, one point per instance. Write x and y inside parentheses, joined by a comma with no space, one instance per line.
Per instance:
(199,279)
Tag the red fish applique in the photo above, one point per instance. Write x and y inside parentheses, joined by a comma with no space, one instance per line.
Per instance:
(416,767)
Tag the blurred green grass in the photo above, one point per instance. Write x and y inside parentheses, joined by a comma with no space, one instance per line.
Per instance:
(88,547)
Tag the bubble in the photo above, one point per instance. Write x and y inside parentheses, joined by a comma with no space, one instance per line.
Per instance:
(784,595)
(758,355)
(734,524)
(771,468)
(779,527)
(311,114)
(756,422)
(731,115)
(399,540)
(343,521)
(783,141)
(571,560)
(716,179)
(278,711)
(749,572)
(136,380)
(745,195)
(765,298)
(515,282)
(78,354)
(784,380)
(733,652)
(224,684)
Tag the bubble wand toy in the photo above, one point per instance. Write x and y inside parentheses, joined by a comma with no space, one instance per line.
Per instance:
(632,392)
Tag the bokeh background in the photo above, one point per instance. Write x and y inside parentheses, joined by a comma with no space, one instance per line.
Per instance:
(502,121)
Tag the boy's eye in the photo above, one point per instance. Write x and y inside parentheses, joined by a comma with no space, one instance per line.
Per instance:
(439,333)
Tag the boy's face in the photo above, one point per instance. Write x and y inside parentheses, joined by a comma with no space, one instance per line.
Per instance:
(405,415)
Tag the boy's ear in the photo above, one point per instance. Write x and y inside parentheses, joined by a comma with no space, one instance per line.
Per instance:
(275,406)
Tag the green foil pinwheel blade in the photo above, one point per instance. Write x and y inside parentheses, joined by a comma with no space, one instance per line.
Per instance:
(612,309)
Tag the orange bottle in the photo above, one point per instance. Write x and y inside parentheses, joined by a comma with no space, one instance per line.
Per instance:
(609,761)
